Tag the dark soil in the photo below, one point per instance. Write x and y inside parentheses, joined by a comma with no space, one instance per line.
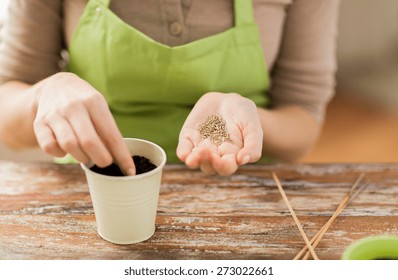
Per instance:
(142,165)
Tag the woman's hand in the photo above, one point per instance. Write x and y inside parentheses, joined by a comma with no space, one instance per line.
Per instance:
(244,128)
(72,117)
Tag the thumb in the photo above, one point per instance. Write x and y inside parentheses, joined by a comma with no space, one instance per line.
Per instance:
(252,148)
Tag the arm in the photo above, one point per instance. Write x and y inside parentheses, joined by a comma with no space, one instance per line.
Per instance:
(289,132)
(16,105)
(302,85)
(62,114)
(285,133)
(59,112)
(302,79)
(30,51)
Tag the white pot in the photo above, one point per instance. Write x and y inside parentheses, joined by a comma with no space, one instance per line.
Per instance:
(125,207)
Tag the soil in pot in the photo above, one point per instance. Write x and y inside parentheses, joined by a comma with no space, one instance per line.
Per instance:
(142,165)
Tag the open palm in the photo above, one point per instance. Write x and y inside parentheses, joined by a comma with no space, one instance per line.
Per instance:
(243,143)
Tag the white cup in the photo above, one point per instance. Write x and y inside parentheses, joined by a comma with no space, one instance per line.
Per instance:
(125,207)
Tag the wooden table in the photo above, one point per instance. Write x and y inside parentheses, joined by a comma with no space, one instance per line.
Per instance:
(46,212)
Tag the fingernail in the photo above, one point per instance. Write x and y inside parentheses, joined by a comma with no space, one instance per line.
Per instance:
(245,159)
(130,171)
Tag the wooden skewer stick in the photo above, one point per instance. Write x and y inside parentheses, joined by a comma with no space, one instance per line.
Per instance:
(346,200)
(327,225)
(318,237)
(294,216)
(357,192)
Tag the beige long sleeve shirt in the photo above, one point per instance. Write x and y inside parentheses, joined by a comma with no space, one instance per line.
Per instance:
(298,39)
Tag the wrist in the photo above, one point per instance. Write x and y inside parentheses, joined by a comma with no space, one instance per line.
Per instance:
(289,132)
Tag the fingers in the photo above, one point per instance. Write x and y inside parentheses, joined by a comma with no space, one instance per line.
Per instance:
(89,140)
(193,160)
(225,165)
(201,158)
(73,133)
(66,138)
(225,162)
(200,154)
(206,164)
(107,130)
(188,139)
(252,147)
(226,158)
(77,120)
(47,141)
(184,148)
(211,162)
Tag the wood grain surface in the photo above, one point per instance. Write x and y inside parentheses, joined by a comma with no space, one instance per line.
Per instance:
(46,212)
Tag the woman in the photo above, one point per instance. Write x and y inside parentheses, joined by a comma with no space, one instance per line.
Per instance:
(157,69)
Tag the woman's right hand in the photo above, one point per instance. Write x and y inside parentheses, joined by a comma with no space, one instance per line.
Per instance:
(73,117)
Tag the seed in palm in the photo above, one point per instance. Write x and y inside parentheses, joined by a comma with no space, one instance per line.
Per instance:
(215,129)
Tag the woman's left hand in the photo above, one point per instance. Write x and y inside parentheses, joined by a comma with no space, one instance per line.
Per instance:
(244,128)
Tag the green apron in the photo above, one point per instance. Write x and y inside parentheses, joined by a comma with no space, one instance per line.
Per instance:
(151,87)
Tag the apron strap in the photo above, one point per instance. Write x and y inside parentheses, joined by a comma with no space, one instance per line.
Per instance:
(243,12)
(105,2)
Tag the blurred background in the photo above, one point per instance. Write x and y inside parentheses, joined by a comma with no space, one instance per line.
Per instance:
(362,119)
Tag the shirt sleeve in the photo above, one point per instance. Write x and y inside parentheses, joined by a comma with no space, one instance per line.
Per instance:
(32,40)
(304,71)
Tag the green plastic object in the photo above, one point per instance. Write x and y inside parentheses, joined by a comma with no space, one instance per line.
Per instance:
(379,247)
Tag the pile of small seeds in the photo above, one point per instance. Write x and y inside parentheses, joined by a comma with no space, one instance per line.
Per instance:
(215,129)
